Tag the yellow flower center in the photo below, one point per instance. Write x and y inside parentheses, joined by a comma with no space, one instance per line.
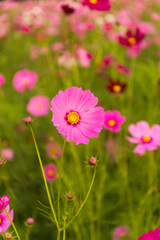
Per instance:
(73,117)
(53,150)
(132,40)
(93,1)
(51,173)
(146,139)
(0,220)
(117,88)
(111,123)
(25,81)
(39,105)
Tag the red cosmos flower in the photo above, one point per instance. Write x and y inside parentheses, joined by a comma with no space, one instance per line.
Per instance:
(67,9)
(116,86)
(100,5)
(132,38)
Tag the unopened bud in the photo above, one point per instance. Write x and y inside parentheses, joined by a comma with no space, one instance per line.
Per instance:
(92,161)
(8,235)
(69,195)
(27,120)
(30,221)
(1,162)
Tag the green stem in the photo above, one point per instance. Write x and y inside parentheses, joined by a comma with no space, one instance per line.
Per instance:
(44,178)
(12,224)
(59,179)
(64,234)
(59,234)
(27,234)
(85,200)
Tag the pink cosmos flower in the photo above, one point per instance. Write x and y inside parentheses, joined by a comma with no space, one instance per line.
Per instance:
(99,5)
(53,150)
(4,220)
(75,115)
(7,154)
(123,70)
(113,120)
(2,80)
(50,172)
(4,201)
(83,56)
(120,232)
(38,106)
(151,235)
(24,79)
(147,138)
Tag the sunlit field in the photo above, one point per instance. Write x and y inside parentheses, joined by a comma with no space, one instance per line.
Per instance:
(80,120)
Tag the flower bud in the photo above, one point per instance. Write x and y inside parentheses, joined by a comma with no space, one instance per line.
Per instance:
(69,196)
(30,221)
(92,161)
(27,120)
(8,235)
(1,162)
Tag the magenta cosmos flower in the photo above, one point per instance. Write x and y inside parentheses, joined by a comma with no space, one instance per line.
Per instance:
(120,232)
(151,235)
(24,79)
(113,120)
(75,115)
(50,172)
(100,5)
(4,220)
(132,38)
(38,106)
(2,80)
(4,201)
(147,138)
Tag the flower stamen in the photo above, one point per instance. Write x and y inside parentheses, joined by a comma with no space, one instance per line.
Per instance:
(132,40)
(73,118)
(146,139)
(117,88)
(93,1)
(111,123)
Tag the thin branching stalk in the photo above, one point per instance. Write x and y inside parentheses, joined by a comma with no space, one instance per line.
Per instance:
(85,200)
(44,178)
(12,224)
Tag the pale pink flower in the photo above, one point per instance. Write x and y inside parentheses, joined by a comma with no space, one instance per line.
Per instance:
(7,153)
(76,116)
(2,80)
(24,79)
(53,150)
(50,172)
(83,56)
(4,220)
(147,138)
(38,106)
(113,120)
(120,232)
(4,201)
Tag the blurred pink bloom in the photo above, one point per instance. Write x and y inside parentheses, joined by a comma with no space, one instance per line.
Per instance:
(4,201)
(58,46)
(120,232)
(38,106)
(24,79)
(2,80)
(123,70)
(113,120)
(107,60)
(75,115)
(147,138)
(133,51)
(83,56)
(50,172)
(4,220)
(53,150)
(99,5)
(67,59)
(151,235)
(7,154)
